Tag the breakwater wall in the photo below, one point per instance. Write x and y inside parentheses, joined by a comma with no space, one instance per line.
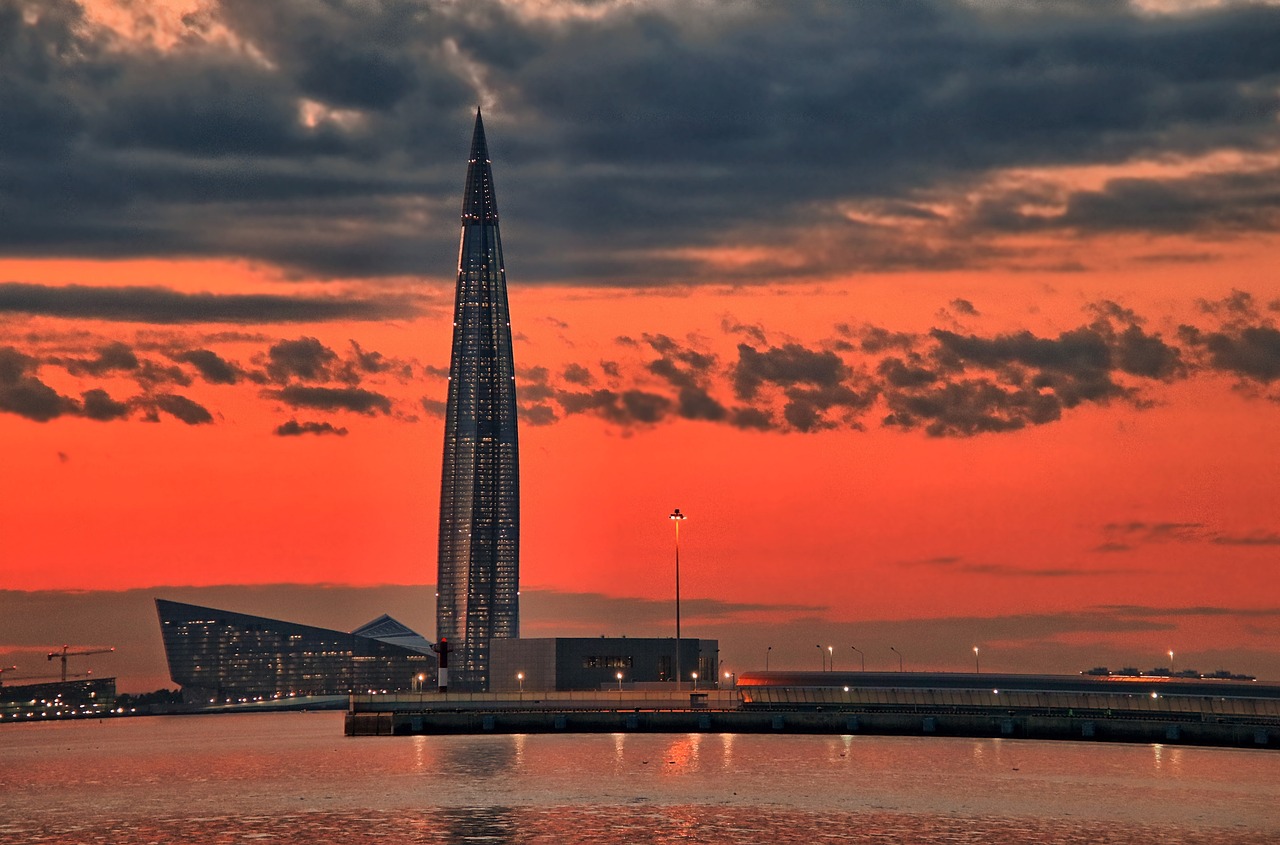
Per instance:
(1016,726)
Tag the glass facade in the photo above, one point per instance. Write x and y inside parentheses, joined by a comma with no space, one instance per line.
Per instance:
(478,578)
(218,656)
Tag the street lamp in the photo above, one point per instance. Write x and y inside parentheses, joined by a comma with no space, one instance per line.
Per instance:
(1170,661)
(977,670)
(860,654)
(678,518)
(520,678)
(895,651)
(831,658)
(728,679)
(619,682)
(695,681)
(822,657)
(766,658)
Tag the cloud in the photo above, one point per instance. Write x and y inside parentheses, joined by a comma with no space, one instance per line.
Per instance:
(182,408)
(165,306)
(98,405)
(293,428)
(305,358)
(22,393)
(213,367)
(354,399)
(634,140)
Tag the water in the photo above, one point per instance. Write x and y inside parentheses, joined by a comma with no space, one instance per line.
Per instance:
(293,778)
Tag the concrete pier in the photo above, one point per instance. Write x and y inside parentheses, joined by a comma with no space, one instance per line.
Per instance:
(1242,717)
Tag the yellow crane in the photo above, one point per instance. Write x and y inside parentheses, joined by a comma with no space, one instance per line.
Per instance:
(66,652)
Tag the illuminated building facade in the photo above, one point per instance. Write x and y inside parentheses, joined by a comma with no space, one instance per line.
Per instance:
(221,657)
(478,578)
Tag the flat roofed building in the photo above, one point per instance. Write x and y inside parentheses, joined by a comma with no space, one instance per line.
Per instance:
(219,656)
(592,663)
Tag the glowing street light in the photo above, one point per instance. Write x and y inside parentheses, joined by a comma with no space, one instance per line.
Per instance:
(895,651)
(520,678)
(860,654)
(678,518)
(695,681)
(977,670)
(619,682)
(1170,661)
(831,658)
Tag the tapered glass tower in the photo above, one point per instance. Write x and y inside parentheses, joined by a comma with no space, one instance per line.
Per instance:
(479,565)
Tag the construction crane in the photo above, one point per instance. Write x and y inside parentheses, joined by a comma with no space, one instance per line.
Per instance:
(65,653)
(4,669)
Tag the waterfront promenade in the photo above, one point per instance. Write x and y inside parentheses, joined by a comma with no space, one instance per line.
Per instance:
(1193,712)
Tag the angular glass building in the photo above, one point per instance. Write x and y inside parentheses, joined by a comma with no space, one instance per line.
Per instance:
(218,656)
(478,580)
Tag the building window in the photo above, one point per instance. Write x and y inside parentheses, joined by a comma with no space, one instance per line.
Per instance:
(606,662)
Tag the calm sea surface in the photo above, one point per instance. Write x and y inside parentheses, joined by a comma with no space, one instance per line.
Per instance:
(294,778)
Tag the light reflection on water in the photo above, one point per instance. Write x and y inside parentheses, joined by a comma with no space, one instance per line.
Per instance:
(294,779)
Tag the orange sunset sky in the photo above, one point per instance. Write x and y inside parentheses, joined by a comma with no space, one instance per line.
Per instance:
(947,322)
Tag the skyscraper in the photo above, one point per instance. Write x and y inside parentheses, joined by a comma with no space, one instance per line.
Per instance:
(478,580)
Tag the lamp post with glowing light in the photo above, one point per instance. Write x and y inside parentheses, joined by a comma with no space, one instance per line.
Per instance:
(678,518)
(895,651)
(695,681)
(831,658)
(520,679)
(619,682)
(1170,661)
(977,670)
(860,654)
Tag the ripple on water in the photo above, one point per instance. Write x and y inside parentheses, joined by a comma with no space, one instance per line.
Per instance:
(620,824)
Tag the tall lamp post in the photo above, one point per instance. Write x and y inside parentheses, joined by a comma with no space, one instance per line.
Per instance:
(1170,661)
(860,654)
(831,658)
(895,651)
(822,657)
(678,518)
(977,669)
(766,658)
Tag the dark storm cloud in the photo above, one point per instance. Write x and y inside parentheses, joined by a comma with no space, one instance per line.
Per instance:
(335,144)
(161,305)
(355,399)
(293,428)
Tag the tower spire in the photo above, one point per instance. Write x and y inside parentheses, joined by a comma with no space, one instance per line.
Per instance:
(478,202)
